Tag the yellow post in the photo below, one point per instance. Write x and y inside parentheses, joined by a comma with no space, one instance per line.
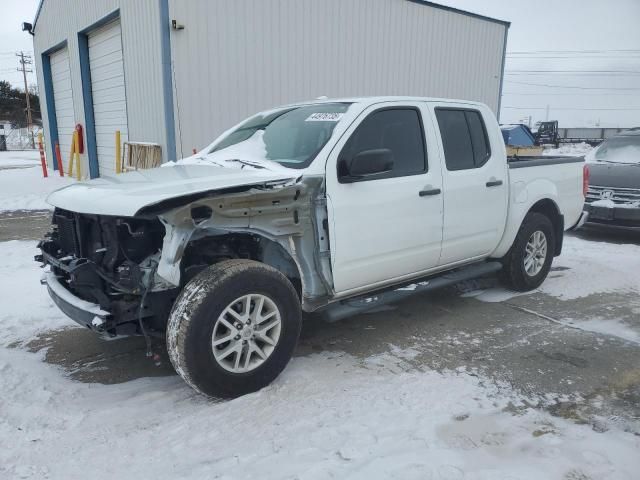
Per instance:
(77,154)
(118,154)
(73,149)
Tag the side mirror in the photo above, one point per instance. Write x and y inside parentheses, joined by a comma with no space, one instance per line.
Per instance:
(365,164)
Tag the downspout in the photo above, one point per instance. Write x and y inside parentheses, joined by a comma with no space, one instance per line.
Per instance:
(167,85)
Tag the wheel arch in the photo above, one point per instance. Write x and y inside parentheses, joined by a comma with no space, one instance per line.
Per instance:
(545,205)
(549,209)
(252,246)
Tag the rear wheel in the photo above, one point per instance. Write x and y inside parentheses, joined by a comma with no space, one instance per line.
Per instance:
(528,262)
(233,328)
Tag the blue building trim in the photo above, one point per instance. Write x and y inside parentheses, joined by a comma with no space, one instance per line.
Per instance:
(87,94)
(103,20)
(87,99)
(50,100)
(167,83)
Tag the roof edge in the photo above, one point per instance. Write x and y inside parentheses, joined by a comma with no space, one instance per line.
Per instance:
(462,12)
(35,19)
(421,2)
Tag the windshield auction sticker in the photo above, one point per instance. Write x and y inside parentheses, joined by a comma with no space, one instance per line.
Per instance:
(324,117)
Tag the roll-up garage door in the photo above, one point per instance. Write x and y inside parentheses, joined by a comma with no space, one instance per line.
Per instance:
(108,92)
(63,100)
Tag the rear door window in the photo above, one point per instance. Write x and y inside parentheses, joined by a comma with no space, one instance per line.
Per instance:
(464,138)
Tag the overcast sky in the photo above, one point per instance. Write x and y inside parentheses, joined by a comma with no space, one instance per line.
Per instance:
(599,35)
(600,39)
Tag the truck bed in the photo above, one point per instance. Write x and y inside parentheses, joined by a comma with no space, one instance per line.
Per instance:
(536,161)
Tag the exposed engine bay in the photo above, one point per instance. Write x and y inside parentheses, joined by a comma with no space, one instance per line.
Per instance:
(133,268)
(107,261)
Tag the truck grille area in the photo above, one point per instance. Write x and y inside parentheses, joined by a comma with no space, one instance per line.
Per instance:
(615,194)
(97,257)
(67,236)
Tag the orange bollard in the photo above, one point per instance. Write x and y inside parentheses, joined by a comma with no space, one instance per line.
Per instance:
(59,159)
(43,161)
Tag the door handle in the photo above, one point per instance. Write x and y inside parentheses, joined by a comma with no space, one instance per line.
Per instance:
(427,193)
(494,183)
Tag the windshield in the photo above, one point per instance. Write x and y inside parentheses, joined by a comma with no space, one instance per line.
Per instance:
(624,149)
(290,136)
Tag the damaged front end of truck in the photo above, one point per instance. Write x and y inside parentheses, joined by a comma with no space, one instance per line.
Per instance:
(120,275)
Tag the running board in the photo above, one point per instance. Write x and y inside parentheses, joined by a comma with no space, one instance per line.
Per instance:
(353,306)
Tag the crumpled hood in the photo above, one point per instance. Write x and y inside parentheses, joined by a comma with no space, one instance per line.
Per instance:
(127,193)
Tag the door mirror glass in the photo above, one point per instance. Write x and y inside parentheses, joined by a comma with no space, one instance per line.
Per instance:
(365,164)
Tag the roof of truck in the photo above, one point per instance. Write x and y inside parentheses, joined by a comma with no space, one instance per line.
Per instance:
(380,99)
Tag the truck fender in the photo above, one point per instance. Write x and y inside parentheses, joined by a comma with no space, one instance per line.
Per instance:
(535,195)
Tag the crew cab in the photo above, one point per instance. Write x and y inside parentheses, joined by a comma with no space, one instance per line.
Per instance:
(327,206)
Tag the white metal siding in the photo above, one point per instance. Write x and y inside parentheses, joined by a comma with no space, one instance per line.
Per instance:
(234,58)
(108,92)
(61,20)
(63,98)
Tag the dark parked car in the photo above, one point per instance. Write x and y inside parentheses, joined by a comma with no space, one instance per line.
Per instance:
(614,185)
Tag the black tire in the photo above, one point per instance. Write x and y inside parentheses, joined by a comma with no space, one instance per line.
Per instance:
(513,273)
(198,307)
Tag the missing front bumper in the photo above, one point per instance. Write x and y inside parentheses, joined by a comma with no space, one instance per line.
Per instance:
(84,313)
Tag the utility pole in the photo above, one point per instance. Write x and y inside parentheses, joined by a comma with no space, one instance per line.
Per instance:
(24,61)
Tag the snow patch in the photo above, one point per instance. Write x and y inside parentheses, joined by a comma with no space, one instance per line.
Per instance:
(25,188)
(572,275)
(26,309)
(613,327)
(492,295)
(328,415)
(311,423)
(569,149)
(587,267)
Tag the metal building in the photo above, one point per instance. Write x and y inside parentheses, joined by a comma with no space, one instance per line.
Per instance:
(178,73)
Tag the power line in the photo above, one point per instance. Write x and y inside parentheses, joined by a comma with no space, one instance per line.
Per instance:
(630,72)
(594,94)
(572,86)
(534,52)
(572,108)
(580,57)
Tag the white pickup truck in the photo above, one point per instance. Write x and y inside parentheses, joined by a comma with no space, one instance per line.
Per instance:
(327,206)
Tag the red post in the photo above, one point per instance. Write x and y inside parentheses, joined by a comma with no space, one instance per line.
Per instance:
(59,159)
(42,159)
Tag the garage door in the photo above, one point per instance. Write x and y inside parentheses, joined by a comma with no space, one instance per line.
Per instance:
(108,92)
(63,100)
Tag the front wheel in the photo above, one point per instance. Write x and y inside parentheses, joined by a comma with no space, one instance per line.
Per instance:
(528,262)
(234,328)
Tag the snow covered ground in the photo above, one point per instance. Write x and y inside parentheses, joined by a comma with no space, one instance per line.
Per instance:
(22,186)
(330,415)
(19,159)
